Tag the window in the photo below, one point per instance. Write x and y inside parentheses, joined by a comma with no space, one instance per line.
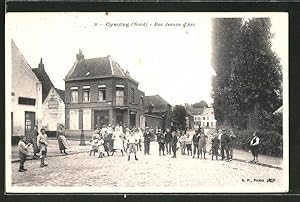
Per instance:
(207,124)
(86,116)
(74,119)
(119,95)
(101,92)
(132,95)
(86,93)
(212,124)
(203,118)
(74,94)
(142,101)
(203,124)
(208,118)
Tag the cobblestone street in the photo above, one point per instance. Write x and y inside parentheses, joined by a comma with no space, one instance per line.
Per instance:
(149,171)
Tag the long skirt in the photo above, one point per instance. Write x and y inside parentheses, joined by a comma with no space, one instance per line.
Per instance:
(118,144)
(62,142)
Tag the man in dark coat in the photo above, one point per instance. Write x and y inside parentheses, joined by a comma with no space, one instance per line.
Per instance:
(161,142)
(33,140)
(196,137)
(147,138)
(168,137)
(174,144)
(225,144)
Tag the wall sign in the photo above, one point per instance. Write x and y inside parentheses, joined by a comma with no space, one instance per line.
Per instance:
(53,104)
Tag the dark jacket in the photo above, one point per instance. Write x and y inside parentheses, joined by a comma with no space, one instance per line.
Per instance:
(231,140)
(196,138)
(225,139)
(161,138)
(168,137)
(174,140)
(147,136)
(215,142)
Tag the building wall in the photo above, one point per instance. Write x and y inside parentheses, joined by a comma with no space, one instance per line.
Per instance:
(53,116)
(24,84)
(153,121)
(109,104)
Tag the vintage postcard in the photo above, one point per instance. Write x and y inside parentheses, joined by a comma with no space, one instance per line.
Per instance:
(146,102)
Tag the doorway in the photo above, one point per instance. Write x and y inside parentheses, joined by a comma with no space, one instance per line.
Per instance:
(132,119)
(29,124)
(100,118)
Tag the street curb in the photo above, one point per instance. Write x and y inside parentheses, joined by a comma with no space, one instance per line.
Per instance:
(259,164)
(56,155)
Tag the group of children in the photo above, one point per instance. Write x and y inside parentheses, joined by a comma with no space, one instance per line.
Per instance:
(24,145)
(109,140)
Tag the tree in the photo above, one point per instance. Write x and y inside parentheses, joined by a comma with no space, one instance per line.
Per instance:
(179,114)
(200,104)
(256,71)
(248,72)
(225,35)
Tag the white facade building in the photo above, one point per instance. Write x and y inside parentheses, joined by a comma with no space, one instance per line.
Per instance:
(26,95)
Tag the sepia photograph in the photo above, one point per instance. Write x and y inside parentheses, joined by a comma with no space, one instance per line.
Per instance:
(146,102)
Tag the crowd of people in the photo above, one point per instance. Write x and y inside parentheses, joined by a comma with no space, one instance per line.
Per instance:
(219,143)
(109,139)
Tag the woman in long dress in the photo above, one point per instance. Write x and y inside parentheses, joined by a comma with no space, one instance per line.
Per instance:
(118,141)
(62,140)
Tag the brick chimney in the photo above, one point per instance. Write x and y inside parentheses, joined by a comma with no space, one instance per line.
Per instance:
(79,56)
(41,65)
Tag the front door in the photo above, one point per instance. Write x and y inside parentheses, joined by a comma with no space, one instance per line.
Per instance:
(119,117)
(132,119)
(29,124)
(101,118)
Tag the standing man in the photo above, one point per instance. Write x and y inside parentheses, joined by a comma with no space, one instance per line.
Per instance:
(254,147)
(147,138)
(202,143)
(225,144)
(174,144)
(168,137)
(34,142)
(232,137)
(161,142)
(196,137)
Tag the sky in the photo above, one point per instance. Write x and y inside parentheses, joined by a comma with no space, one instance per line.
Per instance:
(172,61)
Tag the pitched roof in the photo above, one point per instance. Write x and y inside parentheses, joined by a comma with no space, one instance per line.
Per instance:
(158,103)
(44,78)
(208,111)
(96,68)
(61,94)
(197,111)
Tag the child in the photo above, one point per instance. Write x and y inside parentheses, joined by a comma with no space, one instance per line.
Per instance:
(215,146)
(189,140)
(101,147)
(132,141)
(182,142)
(94,142)
(23,152)
(42,144)
(254,147)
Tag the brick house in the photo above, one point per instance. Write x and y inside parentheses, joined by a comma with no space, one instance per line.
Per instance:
(99,92)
